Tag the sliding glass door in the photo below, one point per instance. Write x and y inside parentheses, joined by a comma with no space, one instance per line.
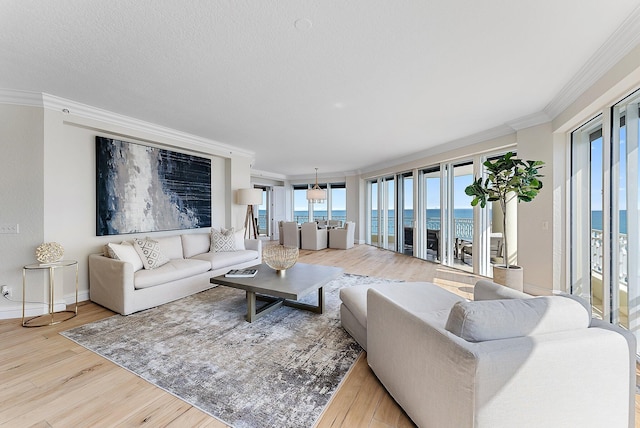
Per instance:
(406,221)
(626,215)
(432,209)
(587,231)
(381,216)
(605,214)
(460,207)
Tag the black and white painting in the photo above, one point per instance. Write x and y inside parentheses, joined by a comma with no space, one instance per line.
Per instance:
(146,189)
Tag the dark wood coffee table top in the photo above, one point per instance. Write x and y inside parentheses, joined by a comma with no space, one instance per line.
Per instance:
(298,281)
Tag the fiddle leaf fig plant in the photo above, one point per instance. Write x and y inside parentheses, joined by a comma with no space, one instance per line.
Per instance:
(507,177)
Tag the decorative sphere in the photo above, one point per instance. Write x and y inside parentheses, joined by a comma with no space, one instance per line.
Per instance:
(49,252)
(279,257)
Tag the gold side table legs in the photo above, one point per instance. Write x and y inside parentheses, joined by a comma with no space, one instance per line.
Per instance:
(53,317)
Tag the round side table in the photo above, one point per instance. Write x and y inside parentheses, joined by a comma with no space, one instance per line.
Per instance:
(53,317)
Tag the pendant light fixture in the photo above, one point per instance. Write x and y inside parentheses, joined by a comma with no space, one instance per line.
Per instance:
(316,195)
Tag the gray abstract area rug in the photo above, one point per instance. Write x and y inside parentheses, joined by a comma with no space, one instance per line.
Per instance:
(279,371)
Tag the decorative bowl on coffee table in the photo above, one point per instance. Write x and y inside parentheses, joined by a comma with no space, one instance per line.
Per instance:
(280,257)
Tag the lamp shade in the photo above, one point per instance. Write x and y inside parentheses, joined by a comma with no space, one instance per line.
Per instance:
(316,195)
(249,196)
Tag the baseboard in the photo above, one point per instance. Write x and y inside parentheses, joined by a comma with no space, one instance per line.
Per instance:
(14,310)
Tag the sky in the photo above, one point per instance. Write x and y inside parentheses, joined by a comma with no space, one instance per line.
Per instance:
(338,202)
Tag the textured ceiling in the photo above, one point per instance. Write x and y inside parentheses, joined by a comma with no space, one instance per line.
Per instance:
(338,85)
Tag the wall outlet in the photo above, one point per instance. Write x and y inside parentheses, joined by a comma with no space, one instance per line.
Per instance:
(5,291)
(8,229)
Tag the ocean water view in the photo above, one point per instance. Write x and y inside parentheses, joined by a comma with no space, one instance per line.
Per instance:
(596,221)
(433,217)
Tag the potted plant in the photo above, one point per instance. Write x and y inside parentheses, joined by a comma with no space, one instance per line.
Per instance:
(507,177)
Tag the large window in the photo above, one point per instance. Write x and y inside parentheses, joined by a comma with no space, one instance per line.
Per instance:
(435,221)
(463,215)
(431,202)
(405,220)
(300,204)
(334,208)
(605,194)
(263,212)
(381,213)
(338,198)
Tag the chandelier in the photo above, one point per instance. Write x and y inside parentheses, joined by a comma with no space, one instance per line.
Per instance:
(316,195)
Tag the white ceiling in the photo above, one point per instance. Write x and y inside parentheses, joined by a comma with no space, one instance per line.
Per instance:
(334,84)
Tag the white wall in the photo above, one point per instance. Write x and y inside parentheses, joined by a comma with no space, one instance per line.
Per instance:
(51,165)
(535,218)
(355,199)
(21,195)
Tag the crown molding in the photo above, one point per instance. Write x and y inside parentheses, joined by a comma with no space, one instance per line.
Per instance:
(20,98)
(529,121)
(268,174)
(84,111)
(619,44)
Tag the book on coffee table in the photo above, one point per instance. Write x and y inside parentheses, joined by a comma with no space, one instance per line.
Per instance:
(241,273)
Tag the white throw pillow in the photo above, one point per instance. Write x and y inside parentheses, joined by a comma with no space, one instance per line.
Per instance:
(239,240)
(150,253)
(125,252)
(226,240)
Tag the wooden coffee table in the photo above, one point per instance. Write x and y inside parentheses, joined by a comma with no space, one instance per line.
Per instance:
(279,290)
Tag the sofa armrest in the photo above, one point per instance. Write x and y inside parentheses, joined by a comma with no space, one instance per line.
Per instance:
(632,344)
(425,368)
(441,380)
(255,245)
(111,283)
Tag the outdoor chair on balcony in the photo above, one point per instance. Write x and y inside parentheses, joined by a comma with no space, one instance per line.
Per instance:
(495,248)
(433,244)
(408,240)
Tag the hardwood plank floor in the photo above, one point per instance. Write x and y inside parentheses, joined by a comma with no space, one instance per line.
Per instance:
(47,380)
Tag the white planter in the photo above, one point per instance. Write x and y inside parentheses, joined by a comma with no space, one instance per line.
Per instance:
(512,277)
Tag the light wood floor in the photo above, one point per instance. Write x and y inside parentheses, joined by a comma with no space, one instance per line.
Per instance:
(49,381)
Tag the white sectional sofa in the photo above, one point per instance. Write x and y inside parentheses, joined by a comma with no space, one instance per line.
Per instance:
(125,286)
(505,359)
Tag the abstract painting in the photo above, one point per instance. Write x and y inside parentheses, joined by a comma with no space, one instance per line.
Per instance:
(146,189)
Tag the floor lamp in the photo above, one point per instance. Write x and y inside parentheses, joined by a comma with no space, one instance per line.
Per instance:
(249,197)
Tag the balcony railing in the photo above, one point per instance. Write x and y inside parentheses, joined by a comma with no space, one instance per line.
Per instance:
(597,259)
(262,220)
(463,227)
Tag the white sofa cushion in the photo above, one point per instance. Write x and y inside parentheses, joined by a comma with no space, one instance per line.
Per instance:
(150,253)
(195,243)
(228,259)
(507,318)
(171,246)
(126,253)
(418,297)
(171,271)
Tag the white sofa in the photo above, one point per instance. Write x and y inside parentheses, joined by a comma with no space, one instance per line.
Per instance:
(505,359)
(125,287)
